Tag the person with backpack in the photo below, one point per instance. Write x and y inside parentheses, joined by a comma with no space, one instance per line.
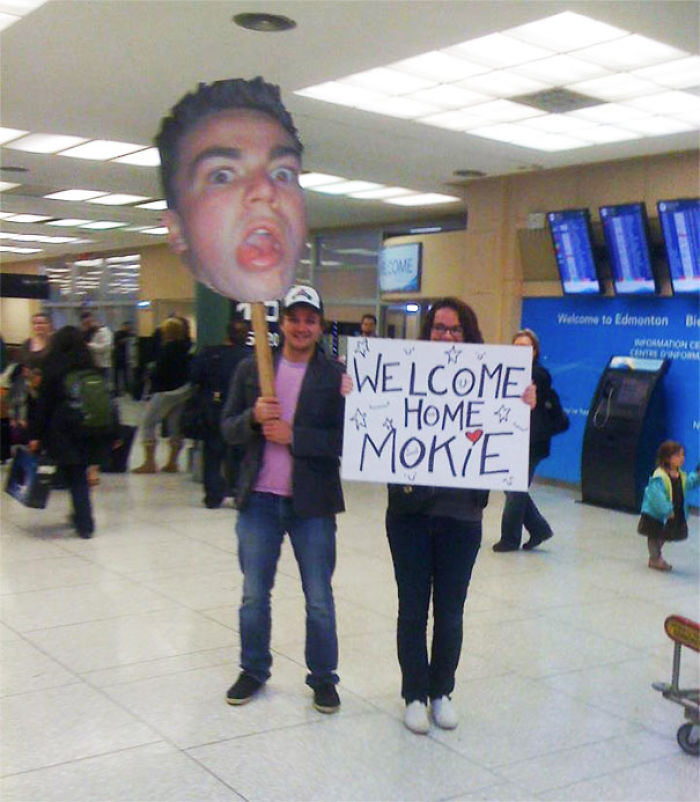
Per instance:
(75,421)
(546,419)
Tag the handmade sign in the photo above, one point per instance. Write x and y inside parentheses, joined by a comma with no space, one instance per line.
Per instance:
(437,413)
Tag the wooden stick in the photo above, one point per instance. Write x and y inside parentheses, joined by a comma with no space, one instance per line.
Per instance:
(263,354)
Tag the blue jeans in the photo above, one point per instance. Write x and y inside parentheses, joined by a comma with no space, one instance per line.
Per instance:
(520,510)
(435,555)
(261,527)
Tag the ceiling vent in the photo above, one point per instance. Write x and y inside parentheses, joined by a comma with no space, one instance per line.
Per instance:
(557,101)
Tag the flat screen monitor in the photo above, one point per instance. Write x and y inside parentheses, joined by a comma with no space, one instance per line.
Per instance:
(626,231)
(680,223)
(573,248)
(400,267)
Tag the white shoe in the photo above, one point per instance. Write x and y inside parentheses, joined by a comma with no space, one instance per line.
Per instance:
(416,717)
(444,713)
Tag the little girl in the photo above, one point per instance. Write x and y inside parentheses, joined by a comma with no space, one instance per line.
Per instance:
(664,508)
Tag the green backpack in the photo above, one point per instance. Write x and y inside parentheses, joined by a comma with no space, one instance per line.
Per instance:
(88,399)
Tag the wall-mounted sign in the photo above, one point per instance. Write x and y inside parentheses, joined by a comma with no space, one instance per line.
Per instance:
(400,267)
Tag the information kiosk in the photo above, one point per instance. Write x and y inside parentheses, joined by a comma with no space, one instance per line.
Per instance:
(625,426)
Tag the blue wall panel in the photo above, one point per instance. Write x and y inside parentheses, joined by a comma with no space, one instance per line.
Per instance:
(579,335)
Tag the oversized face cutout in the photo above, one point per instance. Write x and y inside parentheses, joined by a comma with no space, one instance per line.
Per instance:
(240,222)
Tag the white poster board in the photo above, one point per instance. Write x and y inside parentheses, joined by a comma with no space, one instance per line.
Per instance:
(437,413)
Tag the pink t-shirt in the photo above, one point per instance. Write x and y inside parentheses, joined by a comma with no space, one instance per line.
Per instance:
(276,473)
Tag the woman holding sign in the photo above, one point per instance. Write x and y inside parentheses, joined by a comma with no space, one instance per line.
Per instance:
(434,536)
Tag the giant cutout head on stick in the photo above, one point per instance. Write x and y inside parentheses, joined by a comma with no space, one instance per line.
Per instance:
(230,165)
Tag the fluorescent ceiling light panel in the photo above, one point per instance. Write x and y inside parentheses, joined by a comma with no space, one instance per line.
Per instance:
(101,150)
(45,143)
(423,199)
(35,238)
(155,232)
(342,94)
(449,96)
(603,134)
(677,74)
(103,224)
(68,222)
(527,137)
(498,50)
(77,195)
(608,113)
(142,158)
(439,67)
(566,31)
(667,103)
(156,206)
(629,53)
(504,111)
(554,123)
(5,185)
(562,68)
(620,86)
(388,81)
(382,193)
(403,107)
(27,218)
(503,83)
(346,187)
(310,180)
(658,126)
(8,134)
(11,248)
(118,199)
(460,120)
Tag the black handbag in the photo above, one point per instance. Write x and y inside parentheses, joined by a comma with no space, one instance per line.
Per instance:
(408,499)
(30,478)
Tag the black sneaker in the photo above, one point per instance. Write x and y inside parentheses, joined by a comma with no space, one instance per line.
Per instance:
(243,689)
(534,542)
(326,699)
(502,545)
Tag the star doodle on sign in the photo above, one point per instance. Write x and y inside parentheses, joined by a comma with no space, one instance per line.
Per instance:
(409,351)
(388,424)
(362,347)
(453,354)
(359,419)
(508,481)
(502,413)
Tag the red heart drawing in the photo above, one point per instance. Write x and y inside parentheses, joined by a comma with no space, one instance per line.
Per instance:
(474,436)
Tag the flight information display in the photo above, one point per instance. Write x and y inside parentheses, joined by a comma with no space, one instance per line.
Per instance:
(571,234)
(680,223)
(625,228)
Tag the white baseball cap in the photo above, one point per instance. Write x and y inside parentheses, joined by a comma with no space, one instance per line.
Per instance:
(303,294)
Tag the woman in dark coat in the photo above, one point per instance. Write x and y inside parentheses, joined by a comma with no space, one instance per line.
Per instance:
(520,510)
(54,428)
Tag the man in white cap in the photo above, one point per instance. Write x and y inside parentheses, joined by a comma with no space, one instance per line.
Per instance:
(289,483)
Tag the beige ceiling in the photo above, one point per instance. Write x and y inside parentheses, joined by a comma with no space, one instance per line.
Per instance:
(112,68)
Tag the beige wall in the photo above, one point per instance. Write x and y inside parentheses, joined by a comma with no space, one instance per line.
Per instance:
(485,266)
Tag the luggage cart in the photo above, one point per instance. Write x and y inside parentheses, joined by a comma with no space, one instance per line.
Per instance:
(683,632)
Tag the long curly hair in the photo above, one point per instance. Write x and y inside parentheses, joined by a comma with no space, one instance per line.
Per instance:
(467,319)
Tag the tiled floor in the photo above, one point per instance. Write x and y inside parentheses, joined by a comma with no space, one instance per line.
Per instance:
(117,651)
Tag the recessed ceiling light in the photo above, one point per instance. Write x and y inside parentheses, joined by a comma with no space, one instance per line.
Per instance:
(264,23)
(28,218)
(150,157)
(45,143)
(101,150)
(422,199)
(77,195)
(310,180)
(12,249)
(68,222)
(103,224)
(8,134)
(155,232)
(345,187)
(118,199)
(158,205)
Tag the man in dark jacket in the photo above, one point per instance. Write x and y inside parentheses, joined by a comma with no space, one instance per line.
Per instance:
(289,483)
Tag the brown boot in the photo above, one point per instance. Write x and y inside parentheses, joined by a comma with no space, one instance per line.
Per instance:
(149,462)
(170,466)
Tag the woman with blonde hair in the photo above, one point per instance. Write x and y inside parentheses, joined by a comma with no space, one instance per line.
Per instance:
(171,388)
